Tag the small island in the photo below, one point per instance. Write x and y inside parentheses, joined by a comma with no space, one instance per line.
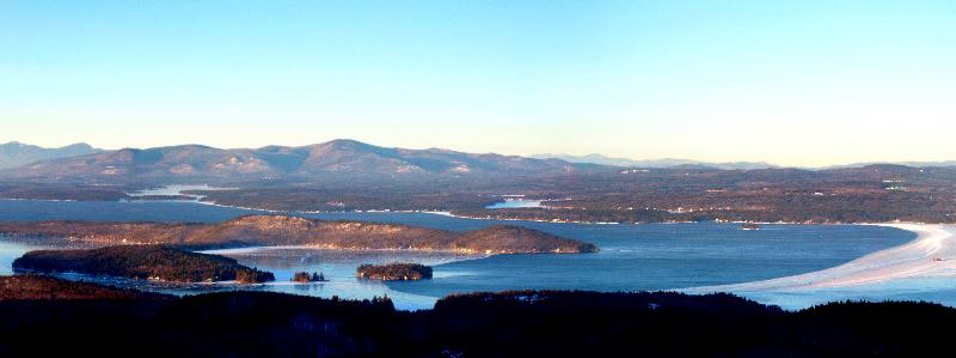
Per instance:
(395,272)
(153,262)
(304,277)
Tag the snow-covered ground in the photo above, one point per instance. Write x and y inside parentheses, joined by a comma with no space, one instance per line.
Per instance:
(515,204)
(922,269)
(175,190)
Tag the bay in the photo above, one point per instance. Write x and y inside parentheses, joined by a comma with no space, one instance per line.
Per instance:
(631,257)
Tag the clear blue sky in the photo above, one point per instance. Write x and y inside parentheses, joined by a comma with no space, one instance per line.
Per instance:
(798,83)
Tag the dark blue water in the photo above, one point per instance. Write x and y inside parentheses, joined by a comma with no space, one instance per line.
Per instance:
(665,256)
(632,257)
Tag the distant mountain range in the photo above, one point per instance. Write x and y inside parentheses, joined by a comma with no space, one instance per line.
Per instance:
(655,163)
(15,154)
(338,158)
(914,164)
(670,163)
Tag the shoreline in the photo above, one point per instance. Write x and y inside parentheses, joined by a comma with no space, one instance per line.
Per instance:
(485,218)
(489,218)
(252,249)
(912,258)
(932,254)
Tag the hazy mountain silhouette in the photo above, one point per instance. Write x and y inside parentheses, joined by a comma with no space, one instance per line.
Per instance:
(342,157)
(655,163)
(15,154)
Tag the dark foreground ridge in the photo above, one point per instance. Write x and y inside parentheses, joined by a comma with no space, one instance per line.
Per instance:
(510,324)
(273,230)
(157,262)
(36,287)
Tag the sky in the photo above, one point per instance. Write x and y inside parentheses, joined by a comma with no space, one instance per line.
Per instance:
(803,83)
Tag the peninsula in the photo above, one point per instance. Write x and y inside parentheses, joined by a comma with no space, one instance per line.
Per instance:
(278,230)
(155,262)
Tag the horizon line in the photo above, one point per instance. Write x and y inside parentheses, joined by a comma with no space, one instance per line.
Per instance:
(552,155)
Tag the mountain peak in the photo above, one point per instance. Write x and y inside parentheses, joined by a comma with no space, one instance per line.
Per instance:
(15,144)
(78,145)
(14,154)
(347,143)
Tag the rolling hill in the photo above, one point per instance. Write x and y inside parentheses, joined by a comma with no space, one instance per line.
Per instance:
(277,230)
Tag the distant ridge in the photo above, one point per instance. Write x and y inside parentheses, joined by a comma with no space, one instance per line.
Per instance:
(343,158)
(914,164)
(15,154)
(673,163)
(655,163)
(337,160)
